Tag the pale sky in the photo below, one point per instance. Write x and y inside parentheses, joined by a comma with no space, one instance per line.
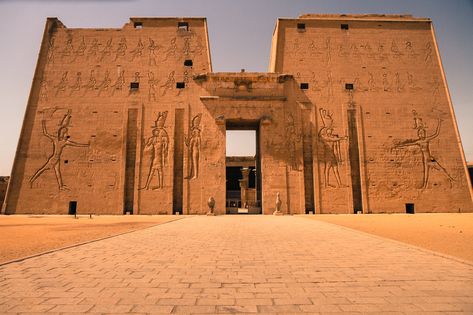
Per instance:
(240,37)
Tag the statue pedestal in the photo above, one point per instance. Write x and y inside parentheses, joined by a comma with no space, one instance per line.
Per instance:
(211,213)
(276,212)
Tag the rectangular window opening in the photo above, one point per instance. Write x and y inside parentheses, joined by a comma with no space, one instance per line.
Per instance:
(138,25)
(183,26)
(301,26)
(180,85)
(344,26)
(188,63)
(304,86)
(72,207)
(134,86)
(349,86)
(410,208)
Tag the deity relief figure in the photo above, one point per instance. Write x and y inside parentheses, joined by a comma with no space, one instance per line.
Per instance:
(62,85)
(51,50)
(138,51)
(152,48)
(158,146)
(91,84)
(121,49)
(60,140)
(93,49)
(291,141)
(423,143)
(332,156)
(80,50)
(119,83)
(107,50)
(172,49)
(169,84)
(105,84)
(152,82)
(193,145)
(77,84)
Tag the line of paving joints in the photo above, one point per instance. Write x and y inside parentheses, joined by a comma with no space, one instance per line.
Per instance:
(418,248)
(86,242)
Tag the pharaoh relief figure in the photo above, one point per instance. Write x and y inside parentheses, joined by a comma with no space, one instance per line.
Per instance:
(193,146)
(60,141)
(158,147)
(331,151)
(423,143)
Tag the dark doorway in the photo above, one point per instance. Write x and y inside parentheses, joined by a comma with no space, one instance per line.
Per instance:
(243,176)
(131,136)
(410,208)
(72,207)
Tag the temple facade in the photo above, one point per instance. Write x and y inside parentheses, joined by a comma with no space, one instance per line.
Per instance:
(353,116)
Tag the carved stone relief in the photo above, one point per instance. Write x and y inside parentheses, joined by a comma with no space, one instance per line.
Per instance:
(119,83)
(292,138)
(193,143)
(422,143)
(152,83)
(121,49)
(329,147)
(172,49)
(62,85)
(60,140)
(107,50)
(169,84)
(77,84)
(138,51)
(157,147)
(105,84)
(91,84)
(51,50)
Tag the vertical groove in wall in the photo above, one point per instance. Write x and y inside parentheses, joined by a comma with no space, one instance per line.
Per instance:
(354,154)
(308,166)
(178,178)
(131,135)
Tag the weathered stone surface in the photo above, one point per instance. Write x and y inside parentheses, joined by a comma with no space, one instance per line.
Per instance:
(354,115)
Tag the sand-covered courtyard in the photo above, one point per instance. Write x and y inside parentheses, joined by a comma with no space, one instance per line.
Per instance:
(447,233)
(25,235)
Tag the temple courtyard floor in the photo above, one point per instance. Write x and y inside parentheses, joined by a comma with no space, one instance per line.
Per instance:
(239,264)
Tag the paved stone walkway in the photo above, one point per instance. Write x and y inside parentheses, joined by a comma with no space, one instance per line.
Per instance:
(229,264)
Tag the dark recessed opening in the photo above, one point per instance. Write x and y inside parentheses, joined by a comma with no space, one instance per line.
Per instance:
(348,86)
(188,63)
(344,26)
(66,161)
(138,25)
(301,26)
(304,86)
(180,85)
(410,208)
(72,207)
(134,85)
(183,26)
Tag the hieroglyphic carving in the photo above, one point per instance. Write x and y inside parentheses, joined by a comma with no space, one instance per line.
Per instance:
(329,86)
(187,46)
(119,83)
(60,140)
(411,83)
(328,51)
(172,50)
(105,84)
(395,50)
(423,144)
(169,84)
(51,50)
(121,49)
(43,90)
(157,145)
(138,51)
(68,49)
(80,50)
(409,49)
(193,146)
(93,49)
(397,83)
(386,84)
(330,149)
(77,84)
(428,53)
(152,83)
(62,85)
(91,84)
(152,49)
(291,141)
(107,50)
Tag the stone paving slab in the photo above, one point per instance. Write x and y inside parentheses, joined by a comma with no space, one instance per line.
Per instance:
(239,264)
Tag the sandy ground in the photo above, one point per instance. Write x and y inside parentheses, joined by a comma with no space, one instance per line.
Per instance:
(451,234)
(23,235)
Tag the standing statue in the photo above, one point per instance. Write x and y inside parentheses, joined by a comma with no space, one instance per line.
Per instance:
(158,145)
(193,145)
(60,141)
(278,205)
(211,204)
(331,149)
(423,143)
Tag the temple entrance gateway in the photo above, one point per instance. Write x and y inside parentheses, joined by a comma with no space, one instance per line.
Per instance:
(242,195)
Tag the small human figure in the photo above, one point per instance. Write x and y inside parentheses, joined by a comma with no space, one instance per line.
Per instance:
(107,50)
(60,141)
(119,83)
(105,84)
(121,49)
(91,84)
(77,85)
(152,49)
(62,85)
(169,84)
(138,51)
